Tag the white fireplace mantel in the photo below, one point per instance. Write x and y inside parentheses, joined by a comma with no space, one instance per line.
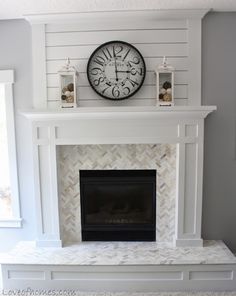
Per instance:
(106,112)
(180,125)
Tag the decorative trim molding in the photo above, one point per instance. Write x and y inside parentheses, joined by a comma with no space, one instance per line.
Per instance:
(11,223)
(7,76)
(7,79)
(183,277)
(116,16)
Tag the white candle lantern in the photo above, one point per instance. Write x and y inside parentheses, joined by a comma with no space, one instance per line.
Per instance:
(165,84)
(67,83)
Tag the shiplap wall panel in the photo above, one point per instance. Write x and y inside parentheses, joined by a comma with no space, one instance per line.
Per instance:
(180,64)
(105,25)
(133,36)
(103,103)
(149,92)
(148,50)
(181,77)
(153,39)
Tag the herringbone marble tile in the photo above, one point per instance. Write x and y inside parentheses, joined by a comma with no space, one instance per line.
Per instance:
(142,156)
(119,253)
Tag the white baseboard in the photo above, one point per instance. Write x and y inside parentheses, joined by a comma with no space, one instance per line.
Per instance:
(188,242)
(48,243)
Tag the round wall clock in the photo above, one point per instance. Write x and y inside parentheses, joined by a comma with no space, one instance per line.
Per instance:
(116,70)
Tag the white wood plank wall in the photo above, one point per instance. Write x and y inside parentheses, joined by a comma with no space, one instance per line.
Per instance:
(154,39)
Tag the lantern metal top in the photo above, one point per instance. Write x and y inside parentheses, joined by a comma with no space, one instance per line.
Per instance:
(165,67)
(68,67)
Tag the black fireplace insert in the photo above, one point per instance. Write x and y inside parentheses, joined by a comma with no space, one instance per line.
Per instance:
(118,205)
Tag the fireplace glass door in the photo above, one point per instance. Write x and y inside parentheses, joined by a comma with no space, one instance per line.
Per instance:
(118,205)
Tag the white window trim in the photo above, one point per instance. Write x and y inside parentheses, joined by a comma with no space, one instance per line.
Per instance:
(7,78)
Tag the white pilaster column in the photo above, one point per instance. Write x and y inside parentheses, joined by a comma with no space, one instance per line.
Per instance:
(189,185)
(46,186)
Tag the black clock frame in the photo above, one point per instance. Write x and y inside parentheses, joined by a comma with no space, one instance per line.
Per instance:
(91,57)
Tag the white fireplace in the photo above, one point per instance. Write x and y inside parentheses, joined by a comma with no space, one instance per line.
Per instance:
(103,124)
(138,135)
(182,126)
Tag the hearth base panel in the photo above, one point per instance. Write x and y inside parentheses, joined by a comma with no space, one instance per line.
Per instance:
(203,277)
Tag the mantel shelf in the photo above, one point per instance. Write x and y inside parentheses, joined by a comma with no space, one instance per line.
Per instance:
(121,112)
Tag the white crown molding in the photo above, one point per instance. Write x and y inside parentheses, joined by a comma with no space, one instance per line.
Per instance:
(114,16)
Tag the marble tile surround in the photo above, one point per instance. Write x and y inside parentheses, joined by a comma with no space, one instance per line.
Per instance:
(71,159)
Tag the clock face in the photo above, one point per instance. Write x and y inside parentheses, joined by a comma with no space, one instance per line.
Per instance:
(116,70)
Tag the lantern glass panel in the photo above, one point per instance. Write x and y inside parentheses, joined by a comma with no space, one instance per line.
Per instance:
(164,77)
(165,87)
(66,79)
(67,88)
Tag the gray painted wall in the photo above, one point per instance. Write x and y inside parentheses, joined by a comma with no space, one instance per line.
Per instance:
(219,88)
(15,53)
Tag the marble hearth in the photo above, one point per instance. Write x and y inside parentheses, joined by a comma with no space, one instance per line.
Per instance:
(169,140)
(120,266)
(119,253)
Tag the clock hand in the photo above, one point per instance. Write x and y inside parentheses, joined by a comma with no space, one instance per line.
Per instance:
(123,71)
(116,70)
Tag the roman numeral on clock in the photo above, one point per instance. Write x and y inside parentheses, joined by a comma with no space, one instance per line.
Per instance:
(126,54)
(132,82)
(107,53)
(99,60)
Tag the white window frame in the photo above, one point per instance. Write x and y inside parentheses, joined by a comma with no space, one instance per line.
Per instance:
(7,79)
